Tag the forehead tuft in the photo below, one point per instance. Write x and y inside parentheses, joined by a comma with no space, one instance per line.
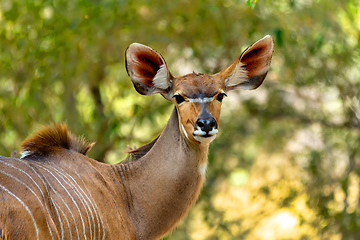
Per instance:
(197,85)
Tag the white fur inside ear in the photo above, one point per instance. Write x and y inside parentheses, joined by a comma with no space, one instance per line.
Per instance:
(238,76)
(161,79)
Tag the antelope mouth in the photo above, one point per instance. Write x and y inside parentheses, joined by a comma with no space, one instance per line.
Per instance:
(205,137)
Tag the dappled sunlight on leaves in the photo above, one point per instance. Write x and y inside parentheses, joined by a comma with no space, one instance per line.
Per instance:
(286,163)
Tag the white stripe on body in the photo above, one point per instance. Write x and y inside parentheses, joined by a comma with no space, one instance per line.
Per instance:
(94,206)
(38,187)
(41,202)
(59,217)
(26,208)
(47,184)
(78,190)
(76,205)
(102,223)
(80,195)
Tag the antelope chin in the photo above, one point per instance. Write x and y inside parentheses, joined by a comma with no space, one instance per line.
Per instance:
(205,139)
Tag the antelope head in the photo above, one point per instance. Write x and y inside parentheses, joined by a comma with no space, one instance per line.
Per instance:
(198,97)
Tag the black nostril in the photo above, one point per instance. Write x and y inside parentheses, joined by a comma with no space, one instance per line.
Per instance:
(206,125)
(200,124)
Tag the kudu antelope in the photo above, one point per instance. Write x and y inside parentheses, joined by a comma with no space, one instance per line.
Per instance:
(54,191)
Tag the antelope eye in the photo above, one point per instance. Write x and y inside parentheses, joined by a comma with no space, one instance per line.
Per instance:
(220,96)
(178,98)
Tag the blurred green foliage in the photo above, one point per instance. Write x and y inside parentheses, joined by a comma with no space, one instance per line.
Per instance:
(287,162)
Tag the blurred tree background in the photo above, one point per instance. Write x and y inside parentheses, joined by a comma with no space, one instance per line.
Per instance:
(287,162)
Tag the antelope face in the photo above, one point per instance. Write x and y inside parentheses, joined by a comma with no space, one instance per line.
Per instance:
(198,97)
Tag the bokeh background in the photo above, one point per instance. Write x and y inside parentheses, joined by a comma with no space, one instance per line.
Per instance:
(286,164)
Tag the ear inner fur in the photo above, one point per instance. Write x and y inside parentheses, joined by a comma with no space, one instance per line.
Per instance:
(161,79)
(250,69)
(147,70)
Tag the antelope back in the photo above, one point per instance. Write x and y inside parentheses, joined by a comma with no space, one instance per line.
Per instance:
(55,192)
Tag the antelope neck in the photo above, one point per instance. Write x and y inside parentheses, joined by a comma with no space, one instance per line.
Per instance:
(165,182)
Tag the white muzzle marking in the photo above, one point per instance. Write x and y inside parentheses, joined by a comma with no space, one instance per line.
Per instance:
(199,135)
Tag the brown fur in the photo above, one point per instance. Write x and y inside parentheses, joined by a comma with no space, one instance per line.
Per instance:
(136,153)
(142,198)
(52,138)
(198,85)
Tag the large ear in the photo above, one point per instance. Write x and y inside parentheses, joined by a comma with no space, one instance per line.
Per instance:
(250,69)
(147,70)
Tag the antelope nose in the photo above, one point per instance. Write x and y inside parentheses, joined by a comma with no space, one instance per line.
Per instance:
(206,125)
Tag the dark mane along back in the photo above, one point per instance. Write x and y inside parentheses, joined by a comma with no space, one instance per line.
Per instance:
(136,153)
(52,138)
